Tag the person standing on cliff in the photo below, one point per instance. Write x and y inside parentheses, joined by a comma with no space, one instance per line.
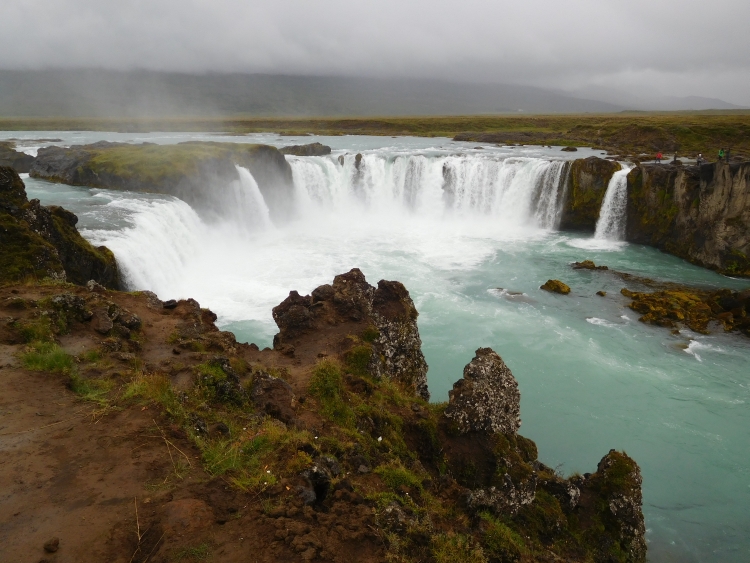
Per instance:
(727,156)
(699,159)
(721,155)
(658,158)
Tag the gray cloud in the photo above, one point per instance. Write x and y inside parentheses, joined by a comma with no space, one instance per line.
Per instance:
(669,47)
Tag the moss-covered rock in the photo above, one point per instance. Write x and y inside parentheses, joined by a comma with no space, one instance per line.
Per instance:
(587,183)
(191,171)
(43,242)
(556,286)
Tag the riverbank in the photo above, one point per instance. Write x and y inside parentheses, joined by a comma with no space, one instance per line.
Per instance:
(687,133)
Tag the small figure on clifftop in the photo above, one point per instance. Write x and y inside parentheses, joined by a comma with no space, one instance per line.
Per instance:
(721,155)
(658,158)
(728,152)
(699,159)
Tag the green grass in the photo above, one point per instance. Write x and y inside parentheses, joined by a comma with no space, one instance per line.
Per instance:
(49,357)
(394,475)
(456,548)
(689,132)
(94,390)
(327,386)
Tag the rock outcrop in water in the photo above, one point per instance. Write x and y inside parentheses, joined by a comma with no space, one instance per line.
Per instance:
(43,242)
(18,161)
(312,149)
(586,185)
(192,171)
(386,316)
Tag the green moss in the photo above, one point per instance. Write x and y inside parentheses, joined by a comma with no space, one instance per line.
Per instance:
(370,334)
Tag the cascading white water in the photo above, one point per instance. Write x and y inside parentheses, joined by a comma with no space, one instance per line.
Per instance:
(612,216)
(513,191)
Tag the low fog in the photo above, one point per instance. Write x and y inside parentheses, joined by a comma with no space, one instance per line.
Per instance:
(634,54)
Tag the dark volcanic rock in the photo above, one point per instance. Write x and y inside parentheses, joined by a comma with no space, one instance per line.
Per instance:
(701,214)
(398,347)
(487,398)
(617,483)
(313,149)
(587,265)
(508,499)
(395,351)
(41,242)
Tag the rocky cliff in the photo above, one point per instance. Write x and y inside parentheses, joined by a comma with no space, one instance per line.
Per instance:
(323,448)
(700,214)
(43,242)
(192,171)
(585,187)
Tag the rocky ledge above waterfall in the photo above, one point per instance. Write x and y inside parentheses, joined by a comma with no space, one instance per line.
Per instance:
(38,242)
(192,171)
(701,213)
(323,448)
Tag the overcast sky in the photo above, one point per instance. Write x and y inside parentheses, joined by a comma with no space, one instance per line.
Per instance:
(669,47)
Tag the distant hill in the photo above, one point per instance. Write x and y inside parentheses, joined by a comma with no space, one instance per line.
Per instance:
(98,93)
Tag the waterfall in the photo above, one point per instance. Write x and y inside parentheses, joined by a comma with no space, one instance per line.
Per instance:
(612,216)
(513,191)
(246,203)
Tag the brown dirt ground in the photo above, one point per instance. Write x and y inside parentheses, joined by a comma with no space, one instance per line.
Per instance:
(103,480)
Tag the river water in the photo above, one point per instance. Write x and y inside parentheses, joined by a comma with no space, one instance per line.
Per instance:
(472,234)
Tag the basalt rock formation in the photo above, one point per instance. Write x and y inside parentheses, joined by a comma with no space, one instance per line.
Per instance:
(584,193)
(192,171)
(386,316)
(43,242)
(700,214)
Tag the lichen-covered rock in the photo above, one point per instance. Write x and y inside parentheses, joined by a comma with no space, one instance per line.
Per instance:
(507,499)
(398,347)
(556,286)
(487,398)
(396,351)
(584,193)
(617,488)
(41,242)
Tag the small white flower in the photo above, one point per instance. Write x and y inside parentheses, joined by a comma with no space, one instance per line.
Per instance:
(380,438)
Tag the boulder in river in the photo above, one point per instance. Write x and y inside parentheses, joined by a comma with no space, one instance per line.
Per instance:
(556,286)
(312,149)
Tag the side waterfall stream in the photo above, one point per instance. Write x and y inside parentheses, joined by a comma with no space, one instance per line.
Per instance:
(472,234)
